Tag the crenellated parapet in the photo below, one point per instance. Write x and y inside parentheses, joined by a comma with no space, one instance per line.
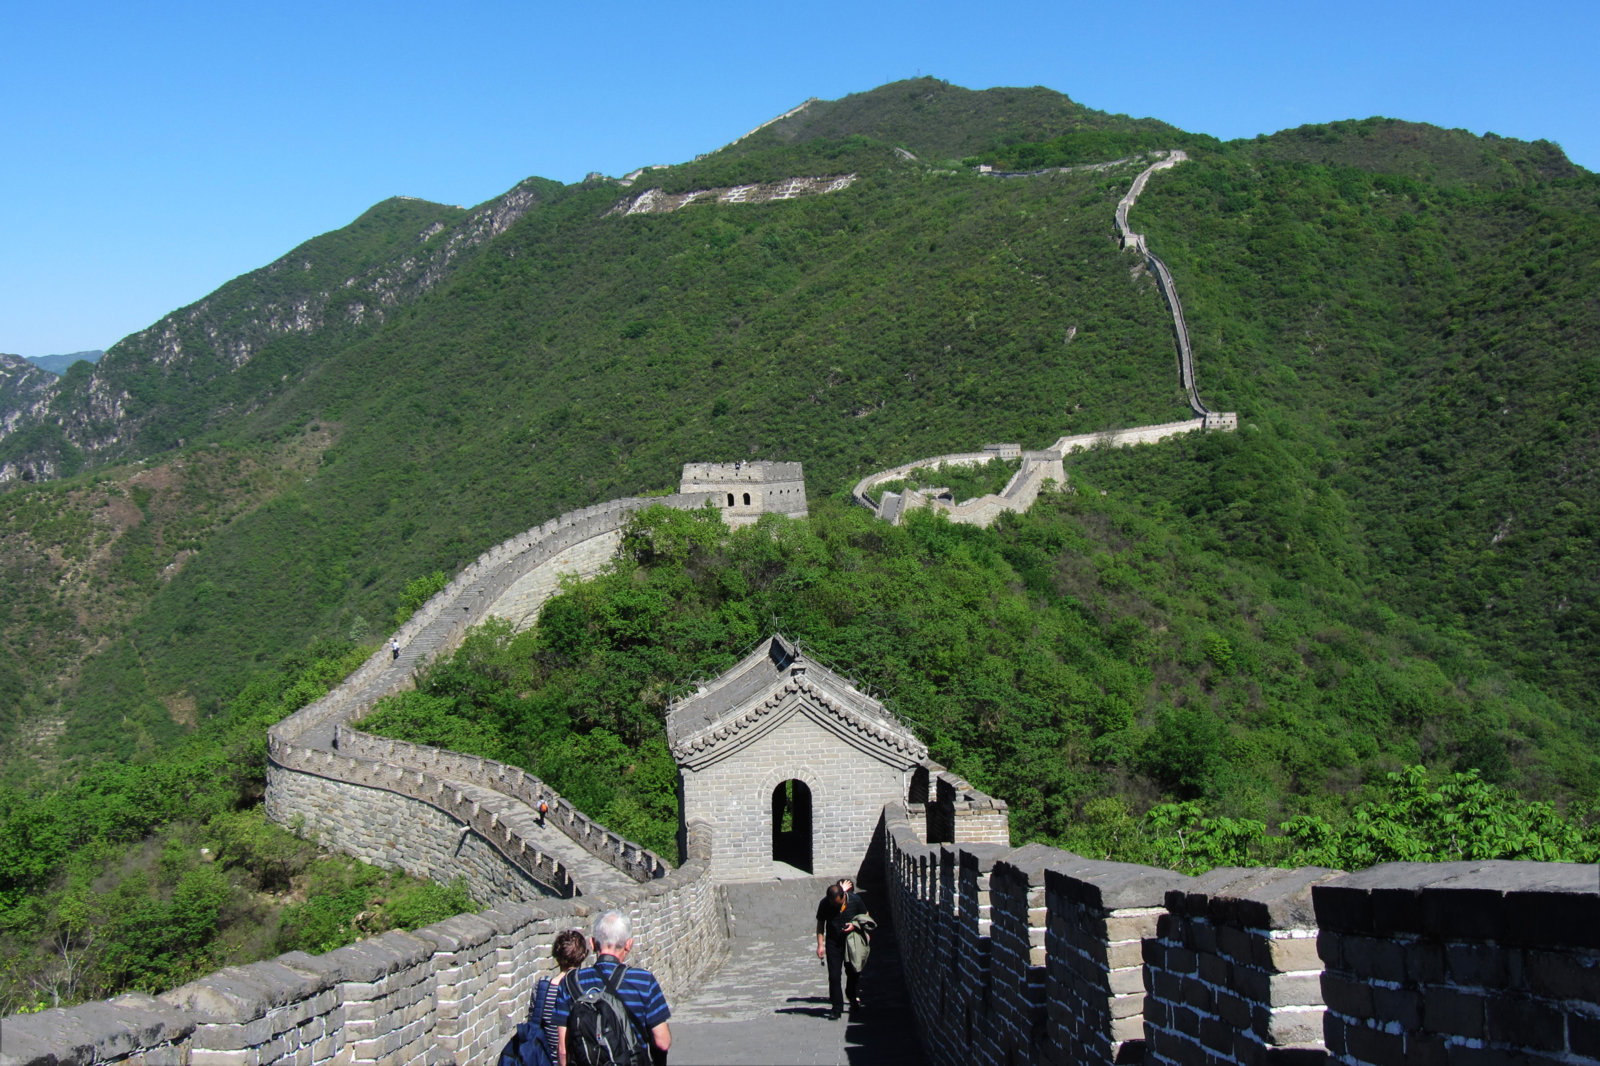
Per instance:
(1037,955)
(285,802)
(448,993)
(441,764)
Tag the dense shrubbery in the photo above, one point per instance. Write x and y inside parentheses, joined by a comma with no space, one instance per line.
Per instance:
(1124,689)
(146,875)
(964,482)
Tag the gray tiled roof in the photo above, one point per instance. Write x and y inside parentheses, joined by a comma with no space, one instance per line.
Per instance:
(765,670)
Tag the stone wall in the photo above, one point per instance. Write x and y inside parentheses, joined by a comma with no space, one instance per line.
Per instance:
(944,809)
(511,580)
(400,833)
(1462,962)
(638,862)
(746,491)
(1037,955)
(449,993)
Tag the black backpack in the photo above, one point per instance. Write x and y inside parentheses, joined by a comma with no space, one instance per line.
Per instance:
(600,1028)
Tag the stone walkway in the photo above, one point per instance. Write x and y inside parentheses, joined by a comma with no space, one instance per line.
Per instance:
(769,1001)
(593,875)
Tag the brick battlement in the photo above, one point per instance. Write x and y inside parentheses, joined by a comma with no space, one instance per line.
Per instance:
(1037,955)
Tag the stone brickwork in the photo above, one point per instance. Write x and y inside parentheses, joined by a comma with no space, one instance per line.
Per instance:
(746,491)
(397,832)
(449,993)
(1040,956)
(1233,971)
(775,717)
(1462,962)
(519,604)
(945,809)
(617,851)
(1098,917)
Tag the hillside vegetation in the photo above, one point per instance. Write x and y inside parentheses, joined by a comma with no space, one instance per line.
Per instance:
(1391,565)
(1082,661)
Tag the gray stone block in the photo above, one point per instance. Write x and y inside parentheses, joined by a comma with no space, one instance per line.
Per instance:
(1272,899)
(1113,885)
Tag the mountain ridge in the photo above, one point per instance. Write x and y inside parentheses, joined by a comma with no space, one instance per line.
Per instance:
(570,357)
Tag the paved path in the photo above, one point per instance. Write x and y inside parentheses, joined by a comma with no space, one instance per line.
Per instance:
(593,875)
(769,1001)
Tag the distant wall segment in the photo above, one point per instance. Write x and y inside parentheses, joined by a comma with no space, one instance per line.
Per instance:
(1042,466)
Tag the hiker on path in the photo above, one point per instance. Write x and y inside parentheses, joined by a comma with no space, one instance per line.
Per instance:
(394,648)
(640,994)
(836,916)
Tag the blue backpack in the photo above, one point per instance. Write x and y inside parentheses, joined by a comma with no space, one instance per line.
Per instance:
(526,1046)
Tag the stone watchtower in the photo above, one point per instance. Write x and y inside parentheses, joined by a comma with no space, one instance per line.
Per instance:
(790,764)
(746,491)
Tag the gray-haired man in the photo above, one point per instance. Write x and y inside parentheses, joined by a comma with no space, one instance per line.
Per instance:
(639,991)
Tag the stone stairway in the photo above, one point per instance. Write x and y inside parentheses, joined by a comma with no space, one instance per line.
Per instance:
(592,875)
(768,1002)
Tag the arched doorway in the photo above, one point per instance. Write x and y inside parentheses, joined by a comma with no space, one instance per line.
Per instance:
(791,824)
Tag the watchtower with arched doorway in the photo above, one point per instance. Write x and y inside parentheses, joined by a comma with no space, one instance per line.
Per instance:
(790,763)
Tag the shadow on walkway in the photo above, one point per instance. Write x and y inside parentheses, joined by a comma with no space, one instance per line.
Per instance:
(768,1003)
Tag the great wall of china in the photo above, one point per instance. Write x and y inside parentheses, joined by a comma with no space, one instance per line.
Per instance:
(1038,467)
(1009,955)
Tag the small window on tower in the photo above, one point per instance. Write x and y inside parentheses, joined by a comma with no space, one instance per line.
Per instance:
(730,499)
(747,499)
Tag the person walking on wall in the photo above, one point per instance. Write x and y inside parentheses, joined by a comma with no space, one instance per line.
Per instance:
(836,916)
(569,951)
(536,1040)
(582,1004)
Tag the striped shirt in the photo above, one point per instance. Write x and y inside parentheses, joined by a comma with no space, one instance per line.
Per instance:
(640,992)
(546,1017)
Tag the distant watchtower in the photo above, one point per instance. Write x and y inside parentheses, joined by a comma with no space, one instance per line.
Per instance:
(746,491)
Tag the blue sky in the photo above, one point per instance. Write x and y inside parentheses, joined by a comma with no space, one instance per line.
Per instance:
(150,152)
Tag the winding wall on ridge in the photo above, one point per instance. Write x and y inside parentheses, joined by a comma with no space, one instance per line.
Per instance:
(318,757)
(1040,466)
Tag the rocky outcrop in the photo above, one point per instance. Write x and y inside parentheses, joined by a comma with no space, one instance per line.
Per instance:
(657,202)
(25,391)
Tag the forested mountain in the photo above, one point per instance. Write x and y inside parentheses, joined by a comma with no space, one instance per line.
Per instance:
(1392,560)
(58,364)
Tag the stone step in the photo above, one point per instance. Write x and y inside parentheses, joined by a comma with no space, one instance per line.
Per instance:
(593,875)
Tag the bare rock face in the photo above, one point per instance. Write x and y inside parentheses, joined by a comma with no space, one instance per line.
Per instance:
(25,390)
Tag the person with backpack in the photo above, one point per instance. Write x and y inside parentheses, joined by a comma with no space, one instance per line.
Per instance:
(611,1014)
(536,1040)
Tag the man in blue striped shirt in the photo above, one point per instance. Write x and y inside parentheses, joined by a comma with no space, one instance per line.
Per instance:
(640,992)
